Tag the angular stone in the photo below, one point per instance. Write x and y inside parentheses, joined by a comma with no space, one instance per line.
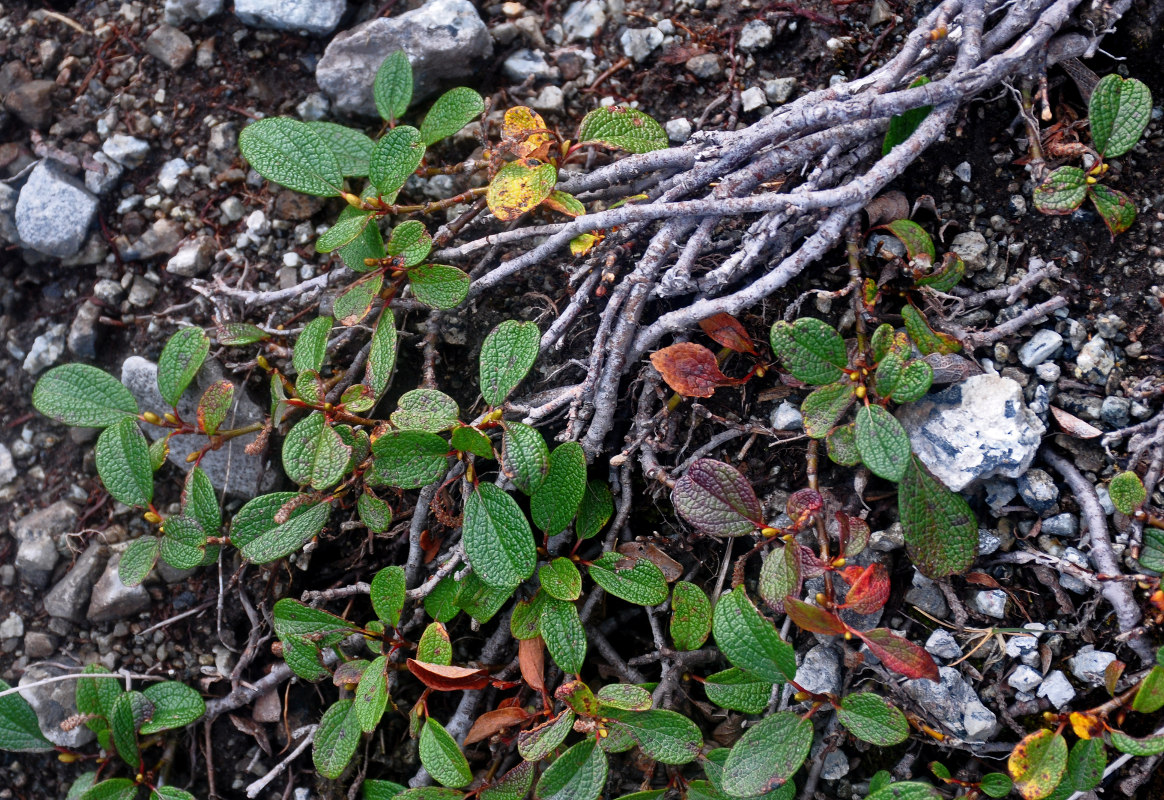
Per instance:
(705,66)
(943,645)
(32,103)
(54,211)
(1038,490)
(926,595)
(752,98)
(755,35)
(583,19)
(161,239)
(973,249)
(992,603)
(1043,345)
(46,350)
(1094,362)
(976,429)
(638,43)
(820,670)
(170,172)
(69,598)
(678,129)
(170,46)
(128,151)
(178,11)
(444,39)
(1089,664)
(229,466)
(192,258)
(525,62)
(953,703)
(113,600)
(1057,689)
(82,340)
(36,536)
(12,626)
(100,181)
(314,17)
(7,467)
(53,704)
(1024,678)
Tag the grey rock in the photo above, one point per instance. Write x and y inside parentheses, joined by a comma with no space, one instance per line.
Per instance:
(170,46)
(836,766)
(54,212)
(70,597)
(583,19)
(778,90)
(992,603)
(32,103)
(1022,646)
(943,645)
(820,670)
(1048,372)
(976,429)
(245,471)
(313,107)
(8,197)
(1088,664)
(128,151)
(192,258)
(523,63)
(1062,525)
(1043,345)
(53,704)
(973,249)
(38,645)
(888,540)
(705,66)
(1110,327)
(988,542)
(1024,678)
(12,626)
(111,599)
(1038,490)
(678,129)
(232,209)
(179,11)
(638,43)
(1116,411)
(1057,689)
(161,238)
(36,536)
(93,252)
(1094,362)
(953,703)
(142,292)
(549,100)
(314,17)
(7,467)
(108,292)
(100,182)
(787,417)
(222,147)
(752,98)
(1104,498)
(962,172)
(999,492)
(170,172)
(45,350)
(755,35)
(444,39)
(926,595)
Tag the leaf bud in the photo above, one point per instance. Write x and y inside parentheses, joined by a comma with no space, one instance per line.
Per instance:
(839,562)
(861,392)
(821,599)
(769,532)
(191,457)
(800,697)
(170,418)
(152,418)
(352,200)
(67,758)
(262,362)
(152,518)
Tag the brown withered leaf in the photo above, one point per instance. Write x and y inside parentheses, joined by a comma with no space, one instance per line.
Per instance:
(531,657)
(691,369)
(253,729)
(726,330)
(982,579)
(495,721)
(672,569)
(887,207)
(448,678)
(1074,426)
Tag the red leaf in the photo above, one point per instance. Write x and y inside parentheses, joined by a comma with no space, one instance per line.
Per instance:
(691,369)
(813,618)
(808,563)
(900,655)
(495,721)
(803,505)
(531,658)
(868,588)
(448,679)
(727,330)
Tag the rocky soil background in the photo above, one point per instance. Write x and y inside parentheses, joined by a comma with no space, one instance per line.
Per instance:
(126,211)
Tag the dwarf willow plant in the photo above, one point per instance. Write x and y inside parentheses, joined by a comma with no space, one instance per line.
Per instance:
(1118,113)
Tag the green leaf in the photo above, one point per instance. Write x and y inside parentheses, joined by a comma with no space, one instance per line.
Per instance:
(452,111)
(871,719)
(311,347)
(940,530)
(767,755)
(523,623)
(1119,111)
(352,148)
(368,245)
(1037,763)
(916,379)
(902,126)
(354,302)
(409,459)
(690,616)
(513,785)
(557,500)
(1062,191)
(123,462)
(183,543)
(509,351)
(749,640)
(565,637)
(138,559)
(881,341)
(388,594)
(410,240)
(81,395)
(439,286)
(1085,767)
(426,410)
(561,579)
(1148,746)
(180,361)
(395,157)
(214,405)
(842,445)
(497,538)
(371,696)
(717,500)
(524,456)
(170,793)
(810,349)
(1150,696)
(441,603)
(293,618)
(336,739)
(112,789)
(595,511)
(889,371)
(779,576)
(1116,208)
(738,690)
(520,186)
(159,452)
(625,696)
(382,355)
(824,407)
(665,736)
(882,442)
(434,646)
(923,335)
(917,242)
(906,790)
(356,398)
(386,790)
(392,88)
(568,204)
(291,153)
(623,127)
(130,710)
(470,440)
(637,581)
(946,276)
(578,774)
(19,729)
(313,453)
(479,600)
(431,793)
(995,784)
(1127,492)
(82,784)
(95,696)
(261,540)
(538,742)
(176,705)
(235,334)
(441,756)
